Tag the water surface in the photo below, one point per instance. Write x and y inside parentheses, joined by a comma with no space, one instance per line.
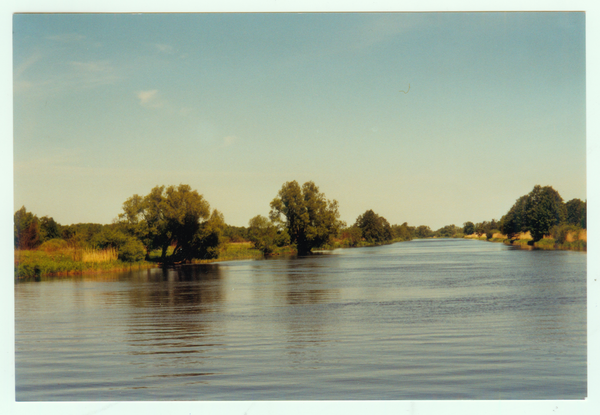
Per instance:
(426,319)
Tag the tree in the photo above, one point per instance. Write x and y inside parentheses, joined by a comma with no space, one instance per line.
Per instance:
(172,216)
(468,228)
(576,212)
(262,233)
(26,229)
(374,228)
(402,232)
(515,220)
(309,218)
(49,229)
(544,208)
(423,231)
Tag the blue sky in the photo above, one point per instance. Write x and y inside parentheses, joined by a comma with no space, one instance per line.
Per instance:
(107,106)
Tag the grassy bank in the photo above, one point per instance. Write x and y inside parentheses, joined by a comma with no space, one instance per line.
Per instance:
(66,261)
(573,241)
(35,263)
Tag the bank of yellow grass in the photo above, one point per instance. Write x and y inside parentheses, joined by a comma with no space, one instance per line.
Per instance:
(97,255)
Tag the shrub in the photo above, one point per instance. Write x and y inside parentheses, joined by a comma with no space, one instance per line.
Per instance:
(561,232)
(132,250)
(53,245)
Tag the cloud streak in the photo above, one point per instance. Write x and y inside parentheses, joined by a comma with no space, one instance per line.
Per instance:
(149,99)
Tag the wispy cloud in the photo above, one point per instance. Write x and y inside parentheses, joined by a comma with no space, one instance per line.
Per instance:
(149,99)
(23,66)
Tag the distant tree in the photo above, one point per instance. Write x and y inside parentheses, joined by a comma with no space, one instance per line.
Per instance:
(447,231)
(544,209)
(26,229)
(423,231)
(374,228)
(49,229)
(468,228)
(235,233)
(402,232)
(207,242)
(576,212)
(262,233)
(351,234)
(516,219)
(309,218)
(129,248)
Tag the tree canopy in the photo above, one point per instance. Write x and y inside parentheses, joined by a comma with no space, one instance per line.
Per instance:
(308,217)
(173,216)
(374,228)
(536,212)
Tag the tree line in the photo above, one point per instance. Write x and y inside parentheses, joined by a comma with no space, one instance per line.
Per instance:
(541,212)
(178,224)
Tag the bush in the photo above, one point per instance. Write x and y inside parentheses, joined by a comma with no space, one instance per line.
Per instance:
(490,233)
(54,245)
(560,233)
(132,250)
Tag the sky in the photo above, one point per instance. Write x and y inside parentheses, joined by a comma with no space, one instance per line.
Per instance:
(426,118)
(236,105)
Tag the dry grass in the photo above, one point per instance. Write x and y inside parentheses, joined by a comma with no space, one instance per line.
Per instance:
(525,235)
(499,236)
(95,255)
(582,235)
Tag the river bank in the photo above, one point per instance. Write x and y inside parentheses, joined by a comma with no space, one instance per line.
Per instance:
(572,242)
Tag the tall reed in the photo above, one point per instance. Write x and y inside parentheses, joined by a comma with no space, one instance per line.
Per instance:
(96,255)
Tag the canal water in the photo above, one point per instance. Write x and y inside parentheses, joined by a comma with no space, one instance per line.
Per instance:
(426,319)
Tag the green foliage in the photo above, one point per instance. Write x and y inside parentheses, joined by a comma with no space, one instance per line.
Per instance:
(576,213)
(173,216)
(132,250)
(490,232)
(81,234)
(423,231)
(468,228)
(262,233)
(26,229)
(544,208)
(53,245)
(448,231)
(402,232)
(350,236)
(309,219)
(235,233)
(515,220)
(207,241)
(129,248)
(374,228)
(560,232)
(49,229)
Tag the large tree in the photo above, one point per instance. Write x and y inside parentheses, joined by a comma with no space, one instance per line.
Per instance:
(309,218)
(26,229)
(536,212)
(374,228)
(544,209)
(173,216)
(515,220)
(468,228)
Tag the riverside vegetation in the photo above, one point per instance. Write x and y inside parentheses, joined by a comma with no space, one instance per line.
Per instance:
(174,225)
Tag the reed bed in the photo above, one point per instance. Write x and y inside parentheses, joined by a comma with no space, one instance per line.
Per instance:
(95,255)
